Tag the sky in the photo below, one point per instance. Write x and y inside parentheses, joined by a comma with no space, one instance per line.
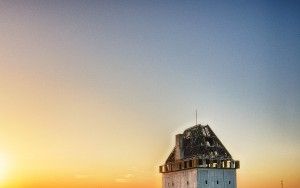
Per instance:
(92,93)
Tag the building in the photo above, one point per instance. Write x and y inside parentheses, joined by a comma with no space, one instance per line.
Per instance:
(199,160)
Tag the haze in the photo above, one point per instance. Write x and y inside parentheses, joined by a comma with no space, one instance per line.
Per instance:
(93,92)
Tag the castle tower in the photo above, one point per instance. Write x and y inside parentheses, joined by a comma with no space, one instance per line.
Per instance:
(199,160)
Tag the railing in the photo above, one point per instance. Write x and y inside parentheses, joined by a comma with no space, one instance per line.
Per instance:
(199,163)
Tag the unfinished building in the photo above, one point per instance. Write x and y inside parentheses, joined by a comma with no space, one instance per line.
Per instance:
(199,160)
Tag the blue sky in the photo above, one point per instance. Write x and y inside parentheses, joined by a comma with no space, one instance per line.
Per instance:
(152,64)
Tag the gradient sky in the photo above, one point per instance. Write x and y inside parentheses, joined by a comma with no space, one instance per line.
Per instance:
(93,92)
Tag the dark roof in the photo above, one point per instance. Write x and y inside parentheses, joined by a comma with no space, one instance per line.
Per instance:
(201,142)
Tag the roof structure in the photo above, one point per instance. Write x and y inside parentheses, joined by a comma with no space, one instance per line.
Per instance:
(198,146)
(201,142)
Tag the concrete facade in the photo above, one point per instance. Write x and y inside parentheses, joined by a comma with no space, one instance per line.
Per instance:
(180,179)
(200,178)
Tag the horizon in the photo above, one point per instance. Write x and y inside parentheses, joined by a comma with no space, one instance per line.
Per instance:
(93,92)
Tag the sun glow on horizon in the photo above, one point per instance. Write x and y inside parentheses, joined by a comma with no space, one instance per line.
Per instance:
(93,93)
(3,167)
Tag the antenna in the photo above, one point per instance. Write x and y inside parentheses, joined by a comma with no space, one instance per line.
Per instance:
(196,117)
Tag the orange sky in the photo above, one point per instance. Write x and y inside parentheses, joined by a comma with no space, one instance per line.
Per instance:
(60,140)
(92,95)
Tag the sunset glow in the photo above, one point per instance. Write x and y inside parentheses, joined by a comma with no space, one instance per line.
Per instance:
(92,93)
(3,168)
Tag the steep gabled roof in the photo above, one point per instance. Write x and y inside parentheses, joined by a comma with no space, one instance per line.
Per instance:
(201,142)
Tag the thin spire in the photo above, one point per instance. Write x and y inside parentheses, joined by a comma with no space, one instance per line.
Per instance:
(196,117)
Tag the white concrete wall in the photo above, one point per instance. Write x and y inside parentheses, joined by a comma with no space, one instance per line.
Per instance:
(216,178)
(230,175)
(180,179)
(200,178)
